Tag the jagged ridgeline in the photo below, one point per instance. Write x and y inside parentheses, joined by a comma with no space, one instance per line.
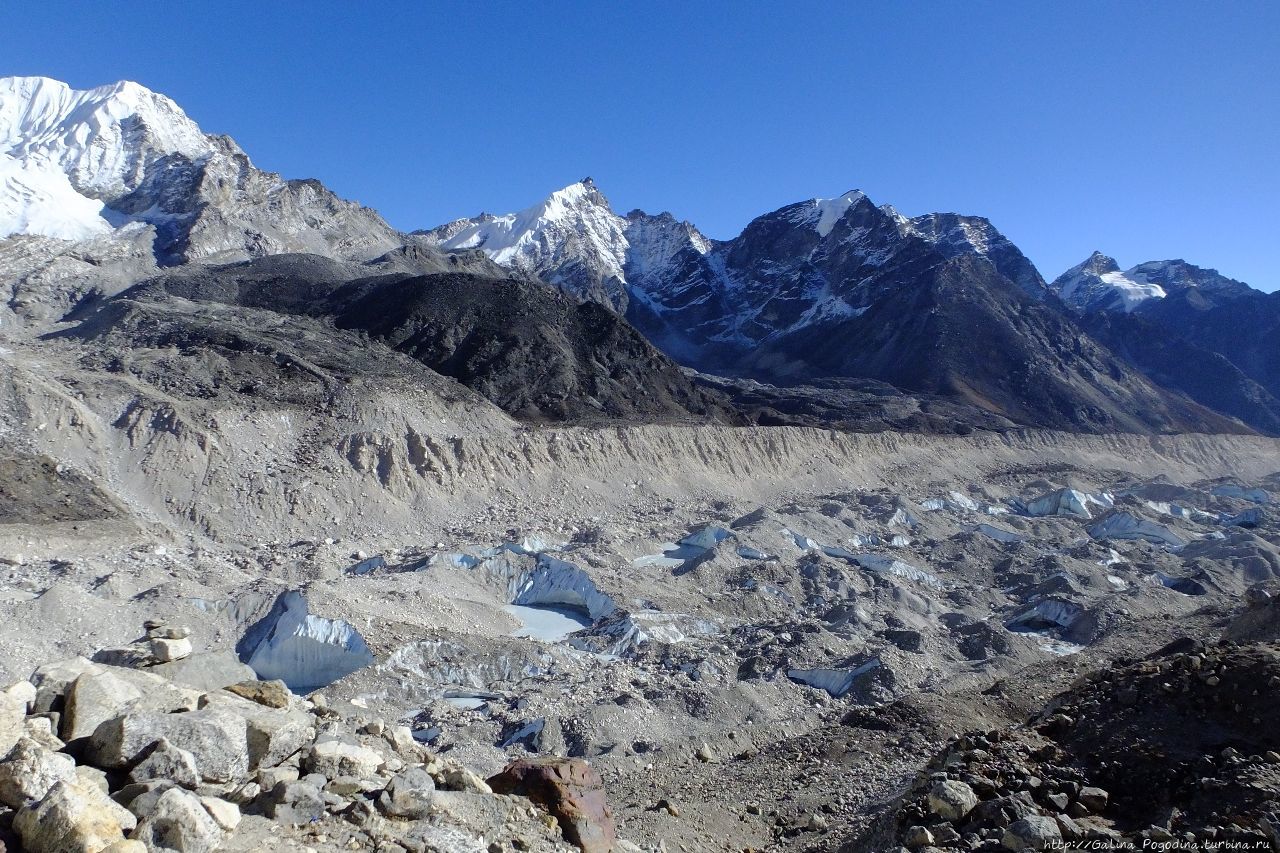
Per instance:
(106,187)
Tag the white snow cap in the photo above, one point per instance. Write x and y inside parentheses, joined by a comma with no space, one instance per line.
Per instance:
(64,151)
(523,240)
(832,210)
(1098,280)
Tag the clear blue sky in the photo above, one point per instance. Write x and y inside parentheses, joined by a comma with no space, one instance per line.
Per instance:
(1147,130)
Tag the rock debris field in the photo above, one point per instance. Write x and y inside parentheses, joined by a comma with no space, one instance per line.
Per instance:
(975,643)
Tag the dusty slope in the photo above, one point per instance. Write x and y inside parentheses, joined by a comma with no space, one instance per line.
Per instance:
(392,453)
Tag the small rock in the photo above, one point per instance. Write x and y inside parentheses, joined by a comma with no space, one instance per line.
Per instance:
(294,803)
(273,694)
(1058,801)
(165,650)
(818,823)
(705,754)
(334,758)
(225,814)
(1093,799)
(951,800)
(1034,832)
(917,837)
(409,795)
(166,761)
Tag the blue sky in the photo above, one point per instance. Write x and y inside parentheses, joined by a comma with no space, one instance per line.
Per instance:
(1146,130)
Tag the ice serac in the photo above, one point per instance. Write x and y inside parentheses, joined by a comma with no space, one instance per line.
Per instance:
(304,651)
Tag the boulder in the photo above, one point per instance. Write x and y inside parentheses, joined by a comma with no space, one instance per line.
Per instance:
(71,818)
(273,734)
(179,821)
(293,803)
(13,715)
(409,795)
(571,790)
(24,692)
(217,738)
(166,650)
(334,758)
(1093,799)
(916,837)
(30,771)
(93,698)
(1034,832)
(52,680)
(40,730)
(204,671)
(273,694)
(951,800)
(166,761)
(225,814)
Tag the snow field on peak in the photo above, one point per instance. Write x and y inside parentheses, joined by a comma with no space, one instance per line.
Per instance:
(66,153)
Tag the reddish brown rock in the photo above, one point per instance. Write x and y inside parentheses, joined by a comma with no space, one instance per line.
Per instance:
(571,790)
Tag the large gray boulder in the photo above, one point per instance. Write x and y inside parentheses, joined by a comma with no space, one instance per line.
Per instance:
(93,698)
(177,820)
(273,734)
(71,818)
(952,800)
(30,771)
(1034,832)
(217,738)
(13,714)
(205,671)
(334,758)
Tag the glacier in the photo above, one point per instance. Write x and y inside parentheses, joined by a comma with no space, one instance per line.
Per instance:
(304,651)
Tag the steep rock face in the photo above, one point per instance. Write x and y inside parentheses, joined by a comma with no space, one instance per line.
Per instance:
(1097,284)
(941,304)
(1188,328)
(952,235)
(84,173)
(573,239)
(1026,361)
(80,163)
(1172,361)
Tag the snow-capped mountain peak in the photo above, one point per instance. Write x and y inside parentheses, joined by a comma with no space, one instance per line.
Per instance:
(124,174)
(829,211)
(1097,284)
(64,152)
(572,237)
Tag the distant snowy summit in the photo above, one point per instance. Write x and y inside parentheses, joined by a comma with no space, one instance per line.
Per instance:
(658,264)
(1097,284)
(112,161)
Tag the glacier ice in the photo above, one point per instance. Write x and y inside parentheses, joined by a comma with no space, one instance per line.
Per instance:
(1066,502)
(1123,525)
(996,533)
(306,652)
(836,682)
(558,583)
(1228,490)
